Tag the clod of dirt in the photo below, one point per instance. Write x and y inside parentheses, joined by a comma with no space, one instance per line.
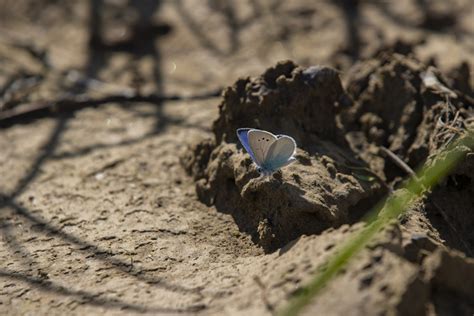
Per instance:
(450,276)
(325,188)
(301,102)
(414,111)
(399,103)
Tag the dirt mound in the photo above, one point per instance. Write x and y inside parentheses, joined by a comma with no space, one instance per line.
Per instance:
(401,104)
(403,112)
(324,189)
(302,102)
(404,107)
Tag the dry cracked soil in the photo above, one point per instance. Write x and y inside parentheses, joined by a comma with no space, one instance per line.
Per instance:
(145,202)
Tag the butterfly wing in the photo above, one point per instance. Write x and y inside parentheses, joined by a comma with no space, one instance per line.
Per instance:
(280,153)
(260,142)
(242,134)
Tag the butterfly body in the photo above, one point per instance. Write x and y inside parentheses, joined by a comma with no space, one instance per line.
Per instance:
(269,152)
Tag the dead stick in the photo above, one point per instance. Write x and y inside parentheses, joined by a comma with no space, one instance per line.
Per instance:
(400,163)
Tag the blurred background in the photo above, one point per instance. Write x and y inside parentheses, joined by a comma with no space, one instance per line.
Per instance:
(188,47)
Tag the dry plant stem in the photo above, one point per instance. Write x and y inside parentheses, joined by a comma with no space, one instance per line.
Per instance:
(400,163)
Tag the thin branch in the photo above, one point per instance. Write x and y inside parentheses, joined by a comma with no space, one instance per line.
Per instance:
(400,163)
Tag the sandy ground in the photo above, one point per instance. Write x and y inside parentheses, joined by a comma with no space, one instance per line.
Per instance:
(98,215)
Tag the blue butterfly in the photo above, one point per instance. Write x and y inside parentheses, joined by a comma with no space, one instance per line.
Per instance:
(269,152)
